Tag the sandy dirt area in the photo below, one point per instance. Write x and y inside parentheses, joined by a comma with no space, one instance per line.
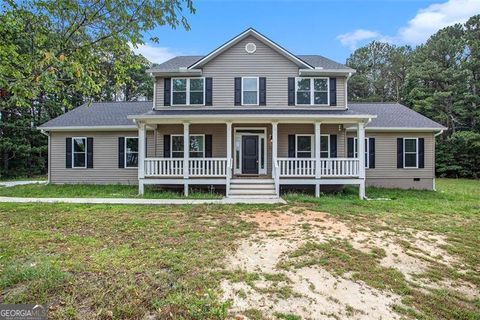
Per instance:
(312,291)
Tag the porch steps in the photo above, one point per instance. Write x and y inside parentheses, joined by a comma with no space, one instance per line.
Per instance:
(252,188)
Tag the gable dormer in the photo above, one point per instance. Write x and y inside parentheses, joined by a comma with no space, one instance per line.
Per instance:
(248,71)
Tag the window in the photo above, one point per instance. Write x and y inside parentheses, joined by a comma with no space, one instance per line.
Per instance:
(355,153)
(79,154)
(250,91)
(410,152)
(312,91)
(188,91)
(197,146)
(131,152)
(304,146)
(325,146)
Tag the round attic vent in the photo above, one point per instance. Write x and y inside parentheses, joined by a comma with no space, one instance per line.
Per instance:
(250,47)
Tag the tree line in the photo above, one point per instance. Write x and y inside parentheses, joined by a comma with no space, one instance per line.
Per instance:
(439,79)
(58,54)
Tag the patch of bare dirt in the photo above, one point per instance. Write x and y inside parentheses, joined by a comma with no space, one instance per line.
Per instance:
(313,292)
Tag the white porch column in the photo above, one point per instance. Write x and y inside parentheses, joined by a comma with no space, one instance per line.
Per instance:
(361,158)
(317,158)
(229,157)
(275,173)
(141,156)
(186,153)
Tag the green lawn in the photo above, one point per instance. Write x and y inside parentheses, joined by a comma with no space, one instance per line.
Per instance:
(132,262)
(98,191)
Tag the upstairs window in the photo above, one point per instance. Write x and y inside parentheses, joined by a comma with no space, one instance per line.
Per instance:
(312,91)
(250,91)
(79,153)
(131,152)
(188,91)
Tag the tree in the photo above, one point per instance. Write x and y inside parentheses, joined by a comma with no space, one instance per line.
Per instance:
(55,55)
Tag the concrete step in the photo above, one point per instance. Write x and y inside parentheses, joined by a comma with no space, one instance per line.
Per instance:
(251,181)
(252,186)
(252,192)
(253,197)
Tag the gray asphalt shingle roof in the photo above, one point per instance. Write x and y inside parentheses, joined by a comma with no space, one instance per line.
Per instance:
(389,115)
(100,114)
(185,61)
(393,115)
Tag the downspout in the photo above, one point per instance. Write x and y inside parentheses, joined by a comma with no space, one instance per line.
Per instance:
(48,154)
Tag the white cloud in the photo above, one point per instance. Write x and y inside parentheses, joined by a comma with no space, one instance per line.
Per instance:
(155,54)
(426,22)
(351,39)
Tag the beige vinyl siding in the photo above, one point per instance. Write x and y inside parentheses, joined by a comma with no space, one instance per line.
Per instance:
(341,91)
(236,62)
(105,159)
(387,174)
(286,129)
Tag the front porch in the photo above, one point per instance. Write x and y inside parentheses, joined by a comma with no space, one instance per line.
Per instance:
(254,156)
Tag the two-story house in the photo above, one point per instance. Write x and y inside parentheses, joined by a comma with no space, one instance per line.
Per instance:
(249,116)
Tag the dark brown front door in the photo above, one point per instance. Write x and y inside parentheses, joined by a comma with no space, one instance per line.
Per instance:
(250,154)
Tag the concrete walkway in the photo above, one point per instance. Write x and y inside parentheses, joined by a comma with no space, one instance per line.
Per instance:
(8,184)
(141,201)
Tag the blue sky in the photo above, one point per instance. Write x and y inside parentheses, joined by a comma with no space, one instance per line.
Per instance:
(330,28)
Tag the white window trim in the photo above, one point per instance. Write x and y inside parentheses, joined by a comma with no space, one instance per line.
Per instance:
(73,153)
(312,91)
(189,136)
(367,150)
(416,152)
(258,91)
(312,143)
(187,100)
(125,153)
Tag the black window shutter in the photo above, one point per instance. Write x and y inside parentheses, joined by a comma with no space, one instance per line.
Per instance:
(238,91)
(421,152)
(89,152)
(263,91)
(291,91)
(208,146)
(333,91)
(291,146)
(333,146)
(399,152)
(208,92)
(371,152)
(166,91)
(68,152)
(121,152)
(166,146)
(350,142)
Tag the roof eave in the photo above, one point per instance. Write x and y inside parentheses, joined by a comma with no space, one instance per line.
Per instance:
(314,72)
(173,73)
(86,128)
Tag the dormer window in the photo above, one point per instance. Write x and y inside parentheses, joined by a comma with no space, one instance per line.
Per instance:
(188,91)
(312,91)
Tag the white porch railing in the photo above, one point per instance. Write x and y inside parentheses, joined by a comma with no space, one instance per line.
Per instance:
(160,167)
(296,167)
(305,167)
(207,167)
(197,167)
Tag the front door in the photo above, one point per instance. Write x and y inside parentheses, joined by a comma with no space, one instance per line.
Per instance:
(250,154)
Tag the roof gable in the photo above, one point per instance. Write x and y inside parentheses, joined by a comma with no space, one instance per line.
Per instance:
(250,32)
